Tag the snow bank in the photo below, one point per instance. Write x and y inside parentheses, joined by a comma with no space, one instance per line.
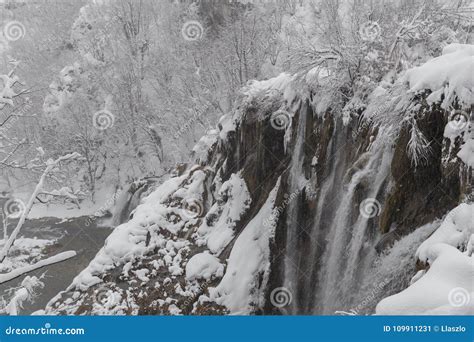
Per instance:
(128,240)
(449,74)
(217,229)
(279,83)
(249,260)
(267,95)
(446,288)
(204,146)
(24,244)
(455,231)
(203,266)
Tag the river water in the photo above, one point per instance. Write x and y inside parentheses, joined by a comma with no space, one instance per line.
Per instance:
(80,234)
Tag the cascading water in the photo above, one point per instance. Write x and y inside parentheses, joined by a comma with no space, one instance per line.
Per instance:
(360,252)
(295,185)
(128,201)
(328,195)
(391,271)
(342,242)
(350,247)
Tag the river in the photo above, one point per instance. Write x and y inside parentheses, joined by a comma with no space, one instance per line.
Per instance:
(71,234)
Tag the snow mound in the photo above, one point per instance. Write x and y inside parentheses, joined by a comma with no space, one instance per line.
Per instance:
(279,83)
(129,240)
(449,74)
(203,266)
(269,96)
(455,231)
(249,260)
(204,146)
(446,288)
(232,201)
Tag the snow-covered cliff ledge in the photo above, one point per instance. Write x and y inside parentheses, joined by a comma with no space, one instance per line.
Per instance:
(446,287)
(201,243)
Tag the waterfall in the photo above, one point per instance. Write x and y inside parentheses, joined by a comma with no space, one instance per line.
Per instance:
(295,183)
(359,233)
(349,247)
(127,201)
(325,277)
(327,197)
(391,271)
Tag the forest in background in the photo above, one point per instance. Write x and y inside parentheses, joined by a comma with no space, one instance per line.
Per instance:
(132,85)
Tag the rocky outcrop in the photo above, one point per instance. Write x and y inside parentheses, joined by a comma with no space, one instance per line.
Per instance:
(338,194)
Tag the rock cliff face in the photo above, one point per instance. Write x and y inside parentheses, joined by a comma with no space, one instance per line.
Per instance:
(291,208)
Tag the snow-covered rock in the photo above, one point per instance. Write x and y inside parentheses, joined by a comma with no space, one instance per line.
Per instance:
(202,242)
(128,240)
(203,266)
(455,231)
(446,75)
(217,229)
(447,287)
(249,259)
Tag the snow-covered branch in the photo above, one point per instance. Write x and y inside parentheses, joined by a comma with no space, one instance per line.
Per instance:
(50,165)
(42,263)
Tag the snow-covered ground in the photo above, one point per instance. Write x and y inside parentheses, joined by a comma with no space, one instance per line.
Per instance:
(182,215)
(325,108)
(445,286)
